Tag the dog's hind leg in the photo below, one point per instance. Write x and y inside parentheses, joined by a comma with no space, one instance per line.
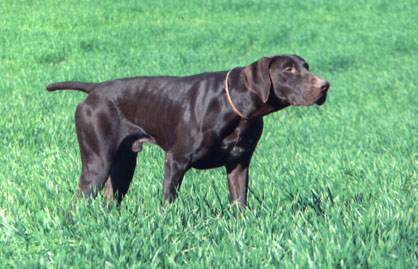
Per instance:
(97,133)
(124,163)
(121,172)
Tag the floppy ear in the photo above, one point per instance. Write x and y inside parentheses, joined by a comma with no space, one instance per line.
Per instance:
(256,77)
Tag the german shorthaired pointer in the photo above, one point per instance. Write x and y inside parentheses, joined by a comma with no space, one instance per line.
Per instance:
(201,121)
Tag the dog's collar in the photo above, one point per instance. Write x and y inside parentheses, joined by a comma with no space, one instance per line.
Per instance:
(230,99)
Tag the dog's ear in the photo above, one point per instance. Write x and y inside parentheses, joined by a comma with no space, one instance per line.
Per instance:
(256,77)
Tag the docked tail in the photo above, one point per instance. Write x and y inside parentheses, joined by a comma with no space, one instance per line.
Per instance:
(86,87)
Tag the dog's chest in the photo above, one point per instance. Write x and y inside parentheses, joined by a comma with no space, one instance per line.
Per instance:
(236,146)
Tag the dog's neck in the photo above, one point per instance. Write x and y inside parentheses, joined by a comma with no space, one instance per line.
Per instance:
(248,103)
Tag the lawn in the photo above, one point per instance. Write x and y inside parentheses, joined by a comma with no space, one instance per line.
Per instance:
(330,186)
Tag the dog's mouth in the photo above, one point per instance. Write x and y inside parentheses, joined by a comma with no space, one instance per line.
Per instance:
(308,102)
(322,99)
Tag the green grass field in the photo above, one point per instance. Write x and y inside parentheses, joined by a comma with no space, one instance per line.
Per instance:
(331,186)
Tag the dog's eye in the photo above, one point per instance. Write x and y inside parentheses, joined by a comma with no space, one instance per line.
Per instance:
(290,69)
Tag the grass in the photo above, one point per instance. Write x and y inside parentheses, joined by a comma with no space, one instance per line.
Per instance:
(330,186)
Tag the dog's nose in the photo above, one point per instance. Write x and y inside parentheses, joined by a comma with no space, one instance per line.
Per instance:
(324,85)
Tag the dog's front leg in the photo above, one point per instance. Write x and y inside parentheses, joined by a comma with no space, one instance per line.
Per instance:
(238,183)
(175,168)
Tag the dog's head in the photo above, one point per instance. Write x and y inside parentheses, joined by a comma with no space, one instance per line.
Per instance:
(288,77)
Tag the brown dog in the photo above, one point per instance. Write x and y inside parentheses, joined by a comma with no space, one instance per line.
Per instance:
(201,121)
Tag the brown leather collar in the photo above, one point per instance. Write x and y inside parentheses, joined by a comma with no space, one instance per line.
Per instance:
(230,99)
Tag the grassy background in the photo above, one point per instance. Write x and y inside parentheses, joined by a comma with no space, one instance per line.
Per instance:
(331,186)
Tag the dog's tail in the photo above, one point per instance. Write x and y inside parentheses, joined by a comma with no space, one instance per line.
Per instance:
(86,87)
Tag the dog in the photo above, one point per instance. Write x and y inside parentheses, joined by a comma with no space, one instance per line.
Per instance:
(201,121)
